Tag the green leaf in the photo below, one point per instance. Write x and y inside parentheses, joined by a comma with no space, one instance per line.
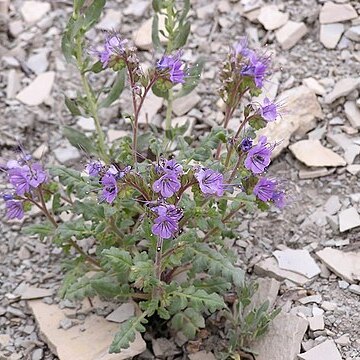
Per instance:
(92,13)
(116,259)
(77,5)
(200,300)
(72,106)
(89,209)
(257,122)
(160,91)
(155,32)
(205,258)
(127,333)
(56,202)
(79,289)
(45,229)
(185,10)
(182,36)
(76,228)
(192,79)
(115,91)
(79,140)
(188,322)
(97,67)
(217,285)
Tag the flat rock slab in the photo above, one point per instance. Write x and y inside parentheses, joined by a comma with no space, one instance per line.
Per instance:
(352,112)
(122,313)
(325,351)
(302,109)
(37,91)
(269,267)
(202,355)
(76,343)
(110,21)
(298,261)
(342,88)
(142,37)
(31,292)
(312,153)
(290,34)
(152,104)
(344,264)
(184,104)
(283,339)
(33,11)
(333,13)
(271,18)
(330,34)
(349,219)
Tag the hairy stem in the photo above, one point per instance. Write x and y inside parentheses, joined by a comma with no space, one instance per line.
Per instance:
(93,108)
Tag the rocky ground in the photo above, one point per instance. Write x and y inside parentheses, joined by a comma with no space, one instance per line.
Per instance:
(316,75)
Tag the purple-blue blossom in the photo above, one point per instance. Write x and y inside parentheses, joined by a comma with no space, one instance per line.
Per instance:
(25,178)
(114,45)
(166,224)
(164,227)
(270,190)
(264,189)
(14,209)
(211,182)
(167,185)
(110,189)
(246,144)
(174,66)
(169,166)
(259,156)
(93,168)
(269,110)
(256,67)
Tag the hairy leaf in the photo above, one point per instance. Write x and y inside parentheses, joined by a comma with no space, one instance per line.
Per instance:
(42,230)
(115,91)
(92,13)
(188,322)
(72,106)
(192,78)
(127,333)
(79,139)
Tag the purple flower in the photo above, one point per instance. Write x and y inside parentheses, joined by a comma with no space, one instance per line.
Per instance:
(26,177)
(210,181)
(256,67)
(93,168)
(268,110)
(164,227)
(167,185)
(169,166)
(264,189)
(241,48)
(110,188)
(269,190)
(168,210)
(258,157)
(246,144)
(173,65)
(14,209)
(279,198)
(114,45)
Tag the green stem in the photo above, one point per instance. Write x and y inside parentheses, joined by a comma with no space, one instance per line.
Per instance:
(169,111)
(93,108)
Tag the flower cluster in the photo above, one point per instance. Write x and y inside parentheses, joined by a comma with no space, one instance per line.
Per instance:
(166,225)
(24,176)
(172,67)
(114,46)
(109,176)
(169,183)
(270,190)
(253,65)
(259,156)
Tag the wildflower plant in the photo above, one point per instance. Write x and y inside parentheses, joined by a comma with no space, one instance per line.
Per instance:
(157,206)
